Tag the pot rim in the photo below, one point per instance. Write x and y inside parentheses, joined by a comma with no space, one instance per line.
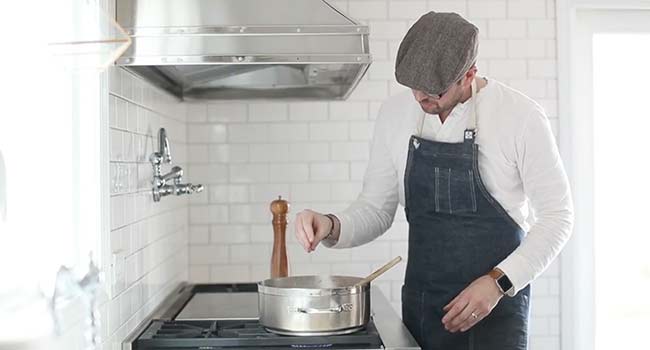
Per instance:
(262,288)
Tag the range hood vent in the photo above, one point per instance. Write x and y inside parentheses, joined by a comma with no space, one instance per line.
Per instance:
(244,49)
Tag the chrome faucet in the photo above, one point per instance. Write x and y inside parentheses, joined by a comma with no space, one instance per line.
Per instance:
(161,188)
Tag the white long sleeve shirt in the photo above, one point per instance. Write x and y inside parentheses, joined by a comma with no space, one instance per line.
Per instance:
(518,160)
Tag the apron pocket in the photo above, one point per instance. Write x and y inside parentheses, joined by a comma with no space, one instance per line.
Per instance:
(454,191)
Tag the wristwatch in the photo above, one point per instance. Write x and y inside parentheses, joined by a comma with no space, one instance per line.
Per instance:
(329,239)
(503,282)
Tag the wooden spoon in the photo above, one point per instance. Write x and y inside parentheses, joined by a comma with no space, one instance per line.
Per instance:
(380,271)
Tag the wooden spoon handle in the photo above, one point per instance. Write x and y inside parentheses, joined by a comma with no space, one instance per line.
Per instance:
(380,271)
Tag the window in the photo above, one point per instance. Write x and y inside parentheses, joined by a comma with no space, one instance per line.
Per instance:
(49,139)
(604,116)
(621,189)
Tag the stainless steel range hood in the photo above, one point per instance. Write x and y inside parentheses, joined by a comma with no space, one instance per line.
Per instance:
(245,49)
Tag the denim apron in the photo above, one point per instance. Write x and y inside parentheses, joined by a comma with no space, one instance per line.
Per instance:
(458,232)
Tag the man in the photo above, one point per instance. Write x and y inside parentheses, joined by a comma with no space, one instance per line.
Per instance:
(467,157)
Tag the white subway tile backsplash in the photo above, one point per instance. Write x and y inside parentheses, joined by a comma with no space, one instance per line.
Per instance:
(541,28)
(238,193)
(289,172)
(228,234)
(198,153)
(247,133)
(378,49)
(526,8)
(267,112)
(263,153)
(508,69)
(542,68)
(361,131)
(486,9)
(288,132)
(208,254)
(265,193)
(350,150)
(300,152)
(526,48)
(348,110)
(328,131)
(208,214)
(228,153)
(207,133)
(381,70)
(200,273)
(310,192)
(506,28)
(456,6)
(308,111)
(388,29)
(227,113)
(493,48)
(407,9)
(364,10)
(199,234)
(197,112)
(330,171)
(229,273)
(249,173)
(250,253)
(207,173)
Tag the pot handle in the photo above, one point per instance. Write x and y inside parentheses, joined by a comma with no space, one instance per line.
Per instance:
(333,310)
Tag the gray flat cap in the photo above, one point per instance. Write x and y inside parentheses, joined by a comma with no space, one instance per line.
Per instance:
(436,51)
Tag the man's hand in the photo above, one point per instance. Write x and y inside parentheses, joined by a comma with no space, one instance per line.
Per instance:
(471,305)
(311,228)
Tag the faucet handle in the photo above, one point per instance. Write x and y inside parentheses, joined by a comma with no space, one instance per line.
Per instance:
(176,173)
(196,188)
(163,146)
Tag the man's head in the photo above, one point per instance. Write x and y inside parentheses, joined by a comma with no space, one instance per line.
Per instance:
(436,59)
(449,98)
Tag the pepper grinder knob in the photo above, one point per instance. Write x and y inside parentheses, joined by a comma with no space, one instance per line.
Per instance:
(279,264)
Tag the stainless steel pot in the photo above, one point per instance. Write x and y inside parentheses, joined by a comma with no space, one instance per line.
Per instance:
(313,305)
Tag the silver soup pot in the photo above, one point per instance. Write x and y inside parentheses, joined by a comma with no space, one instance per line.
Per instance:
(313,305)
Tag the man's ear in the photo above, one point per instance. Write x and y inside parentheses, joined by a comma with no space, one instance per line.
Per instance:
(469,76)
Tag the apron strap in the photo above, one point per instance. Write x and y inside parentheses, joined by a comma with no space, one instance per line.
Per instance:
(472,125)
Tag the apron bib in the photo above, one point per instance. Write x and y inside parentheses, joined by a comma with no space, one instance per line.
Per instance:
(458,232)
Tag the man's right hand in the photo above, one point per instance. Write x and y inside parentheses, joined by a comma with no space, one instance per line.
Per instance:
(311,228)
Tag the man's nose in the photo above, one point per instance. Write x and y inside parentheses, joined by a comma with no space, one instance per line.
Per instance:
(420,95)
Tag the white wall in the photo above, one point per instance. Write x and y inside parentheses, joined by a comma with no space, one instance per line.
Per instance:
(148,241)
(314,154)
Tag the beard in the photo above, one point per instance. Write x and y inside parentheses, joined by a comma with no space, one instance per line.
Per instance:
(437,106)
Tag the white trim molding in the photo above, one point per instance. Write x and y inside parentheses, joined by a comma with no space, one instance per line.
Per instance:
(577,21)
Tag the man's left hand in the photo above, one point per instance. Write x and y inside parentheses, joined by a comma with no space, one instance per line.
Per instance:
(472,305)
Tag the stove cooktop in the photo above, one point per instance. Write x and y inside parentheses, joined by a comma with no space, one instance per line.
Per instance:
(244,334)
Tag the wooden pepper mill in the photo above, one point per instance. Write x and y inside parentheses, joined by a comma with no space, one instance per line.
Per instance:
(279,268)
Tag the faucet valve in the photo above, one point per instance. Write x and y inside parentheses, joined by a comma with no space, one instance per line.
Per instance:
(160,186)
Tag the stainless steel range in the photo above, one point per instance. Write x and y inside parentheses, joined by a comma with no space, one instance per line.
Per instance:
(220,316)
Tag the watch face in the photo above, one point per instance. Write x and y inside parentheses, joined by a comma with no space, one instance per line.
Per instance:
(504,283)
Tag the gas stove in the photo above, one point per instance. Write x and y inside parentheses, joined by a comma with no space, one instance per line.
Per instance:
(224,316)
(244,334)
